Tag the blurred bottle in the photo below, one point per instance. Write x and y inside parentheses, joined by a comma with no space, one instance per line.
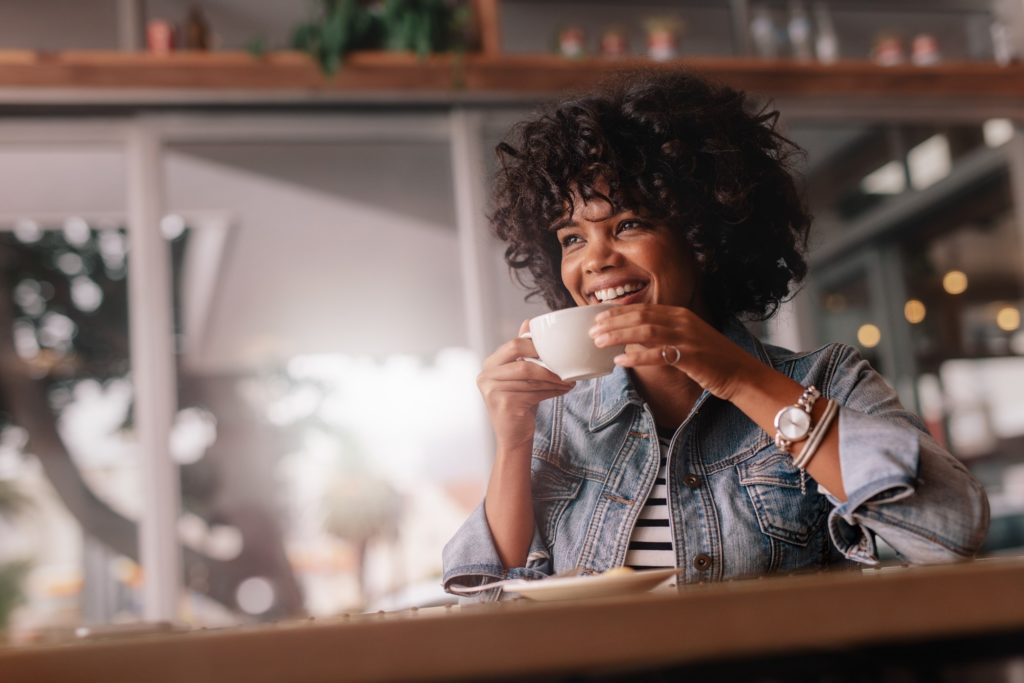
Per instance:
(924,50)
(1007,30)
(799,30)
(663,38)
(197,30)
(827,43)
(762,30)
(572,42)
(1002,47)
(615,42)
(160,36)
(888,50)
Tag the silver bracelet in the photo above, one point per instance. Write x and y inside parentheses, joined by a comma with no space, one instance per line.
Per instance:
(793,423)
(814,441)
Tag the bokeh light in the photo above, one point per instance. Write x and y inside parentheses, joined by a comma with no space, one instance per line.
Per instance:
(954,282)
(869,335)
(1008,319)
(172,226)
(70,263)
(255,595)
(914,311)
(86,295)
(27,231)
(77,231)
(194,431)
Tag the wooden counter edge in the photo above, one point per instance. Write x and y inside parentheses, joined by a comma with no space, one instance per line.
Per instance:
(746,618)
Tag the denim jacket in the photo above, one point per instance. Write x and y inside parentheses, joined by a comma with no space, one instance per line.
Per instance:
(735,505)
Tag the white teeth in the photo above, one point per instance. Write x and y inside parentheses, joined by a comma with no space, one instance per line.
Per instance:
(616,292)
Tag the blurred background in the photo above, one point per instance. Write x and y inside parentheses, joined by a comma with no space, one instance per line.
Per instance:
(246,281)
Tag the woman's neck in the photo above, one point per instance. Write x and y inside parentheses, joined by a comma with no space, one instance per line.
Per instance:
(669,394)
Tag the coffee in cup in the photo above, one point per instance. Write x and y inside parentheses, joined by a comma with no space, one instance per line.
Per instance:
(562,339)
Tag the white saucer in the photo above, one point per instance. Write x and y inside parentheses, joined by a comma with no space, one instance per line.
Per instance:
(593,586)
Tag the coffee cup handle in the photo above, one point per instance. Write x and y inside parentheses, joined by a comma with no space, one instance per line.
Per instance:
(535,361)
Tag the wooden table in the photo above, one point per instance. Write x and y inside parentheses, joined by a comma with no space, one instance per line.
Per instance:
(759,618)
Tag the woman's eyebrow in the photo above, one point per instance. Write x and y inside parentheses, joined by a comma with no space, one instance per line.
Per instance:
(562,223)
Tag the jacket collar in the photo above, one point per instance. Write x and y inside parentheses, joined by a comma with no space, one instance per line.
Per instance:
(612,393)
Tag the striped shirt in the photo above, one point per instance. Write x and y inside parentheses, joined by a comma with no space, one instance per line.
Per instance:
(650,544)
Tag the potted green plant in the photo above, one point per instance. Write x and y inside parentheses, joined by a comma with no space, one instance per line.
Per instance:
(420,26)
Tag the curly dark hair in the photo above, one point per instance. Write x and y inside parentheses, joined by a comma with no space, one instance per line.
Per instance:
(677,148)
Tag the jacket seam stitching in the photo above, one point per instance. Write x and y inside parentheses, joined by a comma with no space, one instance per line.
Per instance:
(762,442)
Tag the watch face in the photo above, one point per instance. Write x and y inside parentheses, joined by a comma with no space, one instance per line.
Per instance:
(794,423)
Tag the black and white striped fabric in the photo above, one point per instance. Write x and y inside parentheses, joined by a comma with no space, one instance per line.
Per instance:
(650,545)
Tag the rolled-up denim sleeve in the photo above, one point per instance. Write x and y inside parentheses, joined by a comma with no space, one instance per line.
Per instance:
(900,483)
(471,559)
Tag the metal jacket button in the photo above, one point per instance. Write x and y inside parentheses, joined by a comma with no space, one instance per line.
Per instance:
(692,481)
(702,562)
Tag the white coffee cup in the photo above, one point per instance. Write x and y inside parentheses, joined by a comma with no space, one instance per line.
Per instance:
(564,345)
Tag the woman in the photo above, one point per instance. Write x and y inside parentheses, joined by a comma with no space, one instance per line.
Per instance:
(669,197)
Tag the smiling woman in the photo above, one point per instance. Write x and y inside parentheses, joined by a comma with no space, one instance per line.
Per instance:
(705,450)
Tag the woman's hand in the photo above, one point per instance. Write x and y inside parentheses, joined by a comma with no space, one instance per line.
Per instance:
(512,388)
(709,358)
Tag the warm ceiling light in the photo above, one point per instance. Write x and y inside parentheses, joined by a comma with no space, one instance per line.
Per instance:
(954,282)
(869,335)
(929,162)
(1008,319)
(888,179)
(914,311)
(997,131)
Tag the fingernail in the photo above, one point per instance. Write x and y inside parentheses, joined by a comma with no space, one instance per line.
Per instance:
(619,359)
(601,340)
(593,330)
(601,316)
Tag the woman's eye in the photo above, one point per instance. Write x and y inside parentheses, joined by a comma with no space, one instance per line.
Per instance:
(569,240)
(630,225)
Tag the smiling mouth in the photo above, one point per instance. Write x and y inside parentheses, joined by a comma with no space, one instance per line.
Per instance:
(615,293)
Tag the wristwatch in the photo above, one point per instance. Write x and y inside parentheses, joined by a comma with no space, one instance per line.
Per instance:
(793,423)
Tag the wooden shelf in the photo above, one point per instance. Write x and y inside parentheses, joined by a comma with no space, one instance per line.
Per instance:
(23,74)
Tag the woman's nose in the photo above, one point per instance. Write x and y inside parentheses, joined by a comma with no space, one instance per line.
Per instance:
(601,255)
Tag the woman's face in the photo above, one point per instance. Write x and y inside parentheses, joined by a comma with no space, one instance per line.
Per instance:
(623,258)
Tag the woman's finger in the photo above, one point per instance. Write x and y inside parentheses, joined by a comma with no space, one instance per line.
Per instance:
(635,315)
(512,350)
(646,333)
(638,313)
(637,356)
(523,371)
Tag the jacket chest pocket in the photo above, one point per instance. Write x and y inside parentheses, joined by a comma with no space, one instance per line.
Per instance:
(783,512)
(553,489)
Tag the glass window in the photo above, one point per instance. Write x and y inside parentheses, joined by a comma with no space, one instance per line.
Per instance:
(330,433)
(964,277)
(933,297)
(68,460)
(846,313)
